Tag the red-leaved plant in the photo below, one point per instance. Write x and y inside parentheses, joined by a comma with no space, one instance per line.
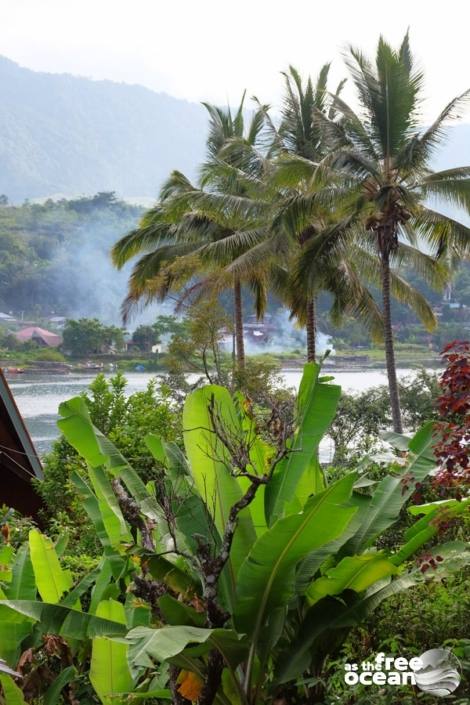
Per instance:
(453,429)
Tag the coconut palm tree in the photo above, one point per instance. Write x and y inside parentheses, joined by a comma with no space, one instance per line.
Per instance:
(196,230)
(302,206)
(385,154)
(300,135)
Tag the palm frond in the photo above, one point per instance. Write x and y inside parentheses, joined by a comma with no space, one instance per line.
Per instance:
(445,235)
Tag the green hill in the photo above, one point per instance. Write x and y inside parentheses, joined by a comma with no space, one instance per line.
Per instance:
(62,135)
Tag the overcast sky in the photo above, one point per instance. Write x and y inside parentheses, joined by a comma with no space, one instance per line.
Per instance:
(213,49)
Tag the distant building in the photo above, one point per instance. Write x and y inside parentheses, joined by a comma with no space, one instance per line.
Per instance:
(19,462)
(58,321)
(42,337)
(6,318)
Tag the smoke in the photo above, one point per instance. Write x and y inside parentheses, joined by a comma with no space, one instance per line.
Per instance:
(283,336)
(82,281)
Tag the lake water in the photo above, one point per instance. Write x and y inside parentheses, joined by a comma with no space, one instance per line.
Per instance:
(38,397)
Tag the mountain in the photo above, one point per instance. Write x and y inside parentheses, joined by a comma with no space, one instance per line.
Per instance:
(60,134)
(65,135)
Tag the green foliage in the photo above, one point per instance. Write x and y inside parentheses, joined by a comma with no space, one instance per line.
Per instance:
(47,355)
(198,577)
(126,420)
(54,255)
(88,336)
(362,418)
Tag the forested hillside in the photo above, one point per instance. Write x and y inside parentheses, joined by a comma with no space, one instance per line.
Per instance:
(54,257)
(60,134)
(71,136)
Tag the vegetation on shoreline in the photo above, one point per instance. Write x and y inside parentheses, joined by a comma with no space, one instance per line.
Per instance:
(140,548)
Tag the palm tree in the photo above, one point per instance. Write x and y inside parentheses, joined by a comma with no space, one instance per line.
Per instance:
(386,156)
(195,231)
(288,177)
(301,135)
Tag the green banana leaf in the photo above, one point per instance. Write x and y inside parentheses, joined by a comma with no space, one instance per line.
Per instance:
(260,453)
(53,693)
(113,520)
(6,556)
(51,580)
(356,573)
(194,522)
(397,440)
(109,671)
(210,465)
(331,613)
(23,583)
(381,511)
(150,645)
(105,575)
(267,577)
(12,693)
(427,526)
(64,621)
(72,598)
(173,576)
(14,628)
(176,613)
(316,407)
(98,451)
(450,506)
(174,462)
(92,508)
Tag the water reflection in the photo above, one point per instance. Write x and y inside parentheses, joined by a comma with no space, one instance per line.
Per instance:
(38,397)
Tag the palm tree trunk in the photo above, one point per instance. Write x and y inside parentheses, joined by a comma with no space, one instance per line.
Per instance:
(311,330)
(240,343)
(389,348)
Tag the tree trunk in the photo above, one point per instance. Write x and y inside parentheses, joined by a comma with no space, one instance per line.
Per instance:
(240,343)
(311,331)
(389,349)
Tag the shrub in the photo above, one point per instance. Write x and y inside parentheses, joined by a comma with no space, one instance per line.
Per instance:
(237,571)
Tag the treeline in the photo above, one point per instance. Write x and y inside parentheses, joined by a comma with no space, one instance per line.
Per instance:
(54,259)
(54,256)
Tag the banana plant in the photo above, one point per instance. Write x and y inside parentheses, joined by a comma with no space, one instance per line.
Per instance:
(239,569)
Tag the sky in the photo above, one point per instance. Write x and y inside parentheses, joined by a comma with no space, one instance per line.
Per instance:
(213,49)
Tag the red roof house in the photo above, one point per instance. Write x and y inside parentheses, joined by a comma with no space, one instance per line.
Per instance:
(41,336)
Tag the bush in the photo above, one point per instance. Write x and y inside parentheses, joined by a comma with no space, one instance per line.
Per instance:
(361,418)
(126,421)
(48,355)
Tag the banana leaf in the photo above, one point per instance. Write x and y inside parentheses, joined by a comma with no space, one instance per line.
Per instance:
(51,580)
(316,407)
(267,577)
(53,693)
(113,520)
(351,610)
(382,509)
(98,451)
(356,573)
(150,645)
(12,693)
(109,671)
(23,583)
(64,621)
(210,465)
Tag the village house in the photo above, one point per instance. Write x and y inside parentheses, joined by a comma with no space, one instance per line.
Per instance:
(42,337)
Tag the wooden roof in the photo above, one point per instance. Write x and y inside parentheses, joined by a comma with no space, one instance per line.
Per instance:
(19,462)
